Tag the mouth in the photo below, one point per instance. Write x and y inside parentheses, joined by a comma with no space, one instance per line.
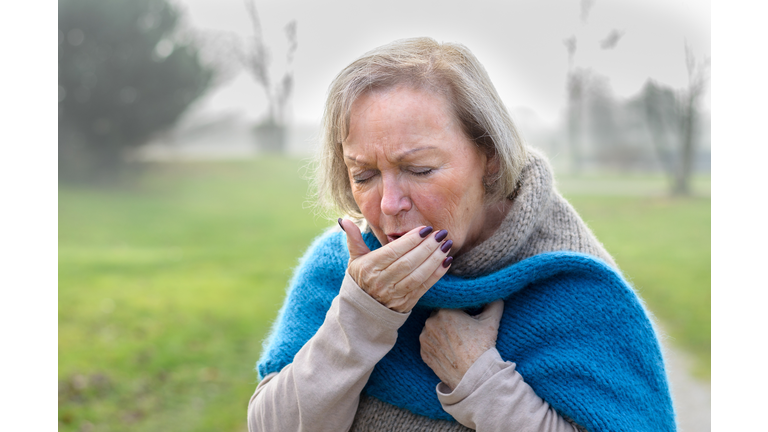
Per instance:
(394,236)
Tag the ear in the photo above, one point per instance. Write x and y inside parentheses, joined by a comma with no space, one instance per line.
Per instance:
(492,167)
(492,163)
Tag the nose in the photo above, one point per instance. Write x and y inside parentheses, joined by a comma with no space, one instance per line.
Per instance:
(394,197)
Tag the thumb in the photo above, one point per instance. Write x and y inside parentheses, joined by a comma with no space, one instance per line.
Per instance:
(355,243)
(492,312)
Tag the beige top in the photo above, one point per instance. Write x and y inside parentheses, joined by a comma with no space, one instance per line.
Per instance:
(321,389)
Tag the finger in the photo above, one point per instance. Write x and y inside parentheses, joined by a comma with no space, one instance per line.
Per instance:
(424,276)
(439,272)
(355,243)
(414,258)
(492,312)
(392,251)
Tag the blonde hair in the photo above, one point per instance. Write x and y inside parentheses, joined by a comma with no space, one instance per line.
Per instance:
(448,69)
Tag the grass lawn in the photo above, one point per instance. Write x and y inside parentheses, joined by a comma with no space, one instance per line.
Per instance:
(167,289)
(662,246)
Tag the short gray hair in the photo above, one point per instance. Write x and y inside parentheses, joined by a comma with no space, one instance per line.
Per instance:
(449,69)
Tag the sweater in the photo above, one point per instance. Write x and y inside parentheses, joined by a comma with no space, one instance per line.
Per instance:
(531,333)
(322,389)
(577,332)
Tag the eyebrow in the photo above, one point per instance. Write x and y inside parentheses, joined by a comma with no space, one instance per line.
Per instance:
(411,151)
(402,156)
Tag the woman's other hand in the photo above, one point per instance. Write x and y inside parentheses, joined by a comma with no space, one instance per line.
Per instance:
(453,340)
(400,272)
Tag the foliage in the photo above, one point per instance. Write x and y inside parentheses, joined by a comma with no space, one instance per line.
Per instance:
(126,72)
(167,290)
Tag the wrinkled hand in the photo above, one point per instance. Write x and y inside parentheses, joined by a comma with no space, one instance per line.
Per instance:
(400,272)
(453,340)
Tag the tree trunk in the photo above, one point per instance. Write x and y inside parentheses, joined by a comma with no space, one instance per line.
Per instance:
(575,100)
(656,128)
(682,180)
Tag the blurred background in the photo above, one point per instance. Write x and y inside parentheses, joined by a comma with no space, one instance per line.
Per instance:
(185,127)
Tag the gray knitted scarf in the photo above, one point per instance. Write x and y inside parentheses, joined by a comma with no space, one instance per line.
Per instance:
(540,220)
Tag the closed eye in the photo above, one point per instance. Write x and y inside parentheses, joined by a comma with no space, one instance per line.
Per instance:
(363,177)
(421,171)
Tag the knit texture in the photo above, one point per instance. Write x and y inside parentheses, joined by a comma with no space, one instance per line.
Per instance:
(594,358)
(540,220)
(573,326)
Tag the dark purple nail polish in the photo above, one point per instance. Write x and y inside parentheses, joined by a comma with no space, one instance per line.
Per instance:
(447,262)
(342,226)
(441,235)
(446,246)
(425,231)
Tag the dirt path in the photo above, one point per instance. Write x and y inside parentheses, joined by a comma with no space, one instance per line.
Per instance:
(692,397)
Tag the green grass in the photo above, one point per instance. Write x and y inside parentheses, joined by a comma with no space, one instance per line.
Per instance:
(662,246)
(626,184)
(167,289)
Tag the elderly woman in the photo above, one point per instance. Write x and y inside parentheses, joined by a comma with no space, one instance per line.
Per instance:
(464,291)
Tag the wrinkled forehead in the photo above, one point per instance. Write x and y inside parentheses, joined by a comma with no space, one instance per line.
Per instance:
(442,95)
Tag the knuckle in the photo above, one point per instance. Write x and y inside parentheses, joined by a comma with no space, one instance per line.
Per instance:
(402,287)
(390,254)
(429,327)
(423,288)
(364,274)
(397,304)
(426,357)
(407,263)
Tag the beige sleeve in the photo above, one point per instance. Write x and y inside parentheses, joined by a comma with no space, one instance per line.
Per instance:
(492,397)
(320,390)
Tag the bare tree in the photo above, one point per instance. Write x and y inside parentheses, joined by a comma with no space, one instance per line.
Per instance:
(698,76)
(672,118)
(575,83)
(257,60)
(577,86)
(611,40)
(586,8)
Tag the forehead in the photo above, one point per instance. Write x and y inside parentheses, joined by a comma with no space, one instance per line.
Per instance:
(400,118)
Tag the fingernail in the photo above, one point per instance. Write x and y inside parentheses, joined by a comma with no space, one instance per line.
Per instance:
(441,235)
(447,262)
(342,226)
(446,246)
(425,231)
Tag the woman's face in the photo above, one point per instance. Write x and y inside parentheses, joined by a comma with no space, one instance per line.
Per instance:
(410,164)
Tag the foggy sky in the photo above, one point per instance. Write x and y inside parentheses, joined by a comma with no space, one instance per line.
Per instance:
(519,42)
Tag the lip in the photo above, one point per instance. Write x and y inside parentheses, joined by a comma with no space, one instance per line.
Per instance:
(394,236)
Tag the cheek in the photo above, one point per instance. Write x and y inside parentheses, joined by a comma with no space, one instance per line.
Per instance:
(452,203)
(439,203)
(368,201)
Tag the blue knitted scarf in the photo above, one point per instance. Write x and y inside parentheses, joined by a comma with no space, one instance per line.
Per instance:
(577,332)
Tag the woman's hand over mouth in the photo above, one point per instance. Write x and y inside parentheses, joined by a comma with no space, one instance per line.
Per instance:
(400,272)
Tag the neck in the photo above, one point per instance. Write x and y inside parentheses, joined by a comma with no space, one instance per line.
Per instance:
(493,217)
